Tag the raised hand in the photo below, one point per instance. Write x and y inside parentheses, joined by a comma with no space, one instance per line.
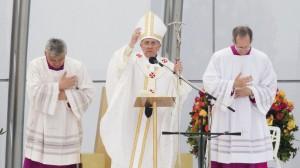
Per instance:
(135,37)
(67,82)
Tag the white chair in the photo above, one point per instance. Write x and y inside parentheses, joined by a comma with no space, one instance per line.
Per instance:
(275,135)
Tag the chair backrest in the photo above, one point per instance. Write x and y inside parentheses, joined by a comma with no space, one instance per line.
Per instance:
(275,135)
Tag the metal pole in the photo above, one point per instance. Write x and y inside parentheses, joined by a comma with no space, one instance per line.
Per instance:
(167,15)
(17,80)
(213,26)
(173,19)
(201,146)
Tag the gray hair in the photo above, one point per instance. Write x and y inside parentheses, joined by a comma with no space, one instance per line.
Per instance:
(56,47)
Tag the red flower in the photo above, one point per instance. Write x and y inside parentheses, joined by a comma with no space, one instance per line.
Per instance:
(195,116)
(275,107)
(202,94)
(282,106)
(201,104)
(196,107)
(206,128)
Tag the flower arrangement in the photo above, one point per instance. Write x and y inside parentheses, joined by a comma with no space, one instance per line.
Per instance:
(198,120)
(280,115)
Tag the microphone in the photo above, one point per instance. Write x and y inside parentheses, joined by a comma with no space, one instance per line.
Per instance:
(148,109)
(153,60)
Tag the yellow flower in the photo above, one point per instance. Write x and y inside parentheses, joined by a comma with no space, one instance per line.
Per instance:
(203,113)
(281,93)
(290,105)
(291,124)
(285,101)
(270,120)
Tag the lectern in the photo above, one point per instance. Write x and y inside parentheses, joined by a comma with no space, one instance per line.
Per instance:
(153,102)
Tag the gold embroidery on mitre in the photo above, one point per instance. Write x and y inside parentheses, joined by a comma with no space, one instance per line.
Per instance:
(149,27)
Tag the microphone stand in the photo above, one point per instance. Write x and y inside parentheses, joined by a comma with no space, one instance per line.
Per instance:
(200,135)
(201,140)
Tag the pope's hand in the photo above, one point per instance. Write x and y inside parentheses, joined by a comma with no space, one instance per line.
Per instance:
(178,67)
(134,38)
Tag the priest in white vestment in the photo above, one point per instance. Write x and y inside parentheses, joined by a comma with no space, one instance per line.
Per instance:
(242,77)
(129,75)
(60,91)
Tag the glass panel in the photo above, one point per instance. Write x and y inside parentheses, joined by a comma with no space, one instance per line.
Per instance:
(196,37)
(93,30)
(274,34)
(3,119)
(5,29)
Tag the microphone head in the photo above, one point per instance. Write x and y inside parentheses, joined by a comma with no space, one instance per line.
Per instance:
(153,60)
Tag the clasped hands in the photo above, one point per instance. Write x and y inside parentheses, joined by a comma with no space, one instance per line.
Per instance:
(240,86)
(66,83)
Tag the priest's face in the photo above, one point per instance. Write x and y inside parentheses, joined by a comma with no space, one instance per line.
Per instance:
(243,44)
(55,60)
(150,47)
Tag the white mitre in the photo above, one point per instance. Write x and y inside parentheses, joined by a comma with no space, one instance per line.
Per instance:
(152,27)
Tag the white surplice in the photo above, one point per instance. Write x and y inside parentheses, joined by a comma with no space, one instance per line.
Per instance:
(54,131)
(254,146)
(127,77)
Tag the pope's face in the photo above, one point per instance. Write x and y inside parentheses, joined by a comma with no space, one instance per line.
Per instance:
(55,61)
(243,44)
(150,47)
